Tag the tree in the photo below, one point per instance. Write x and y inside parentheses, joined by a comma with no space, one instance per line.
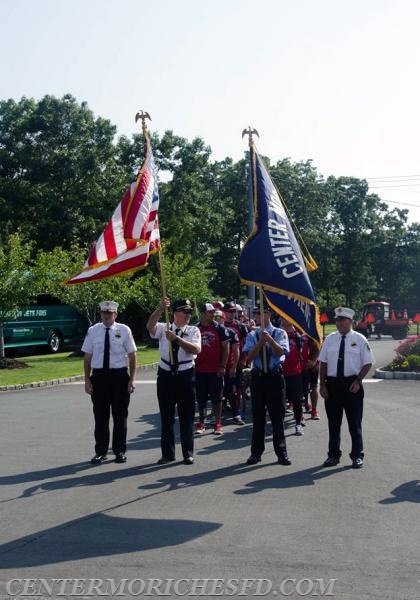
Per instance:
(18,283)
(59,180)
(62,174)
(55,266)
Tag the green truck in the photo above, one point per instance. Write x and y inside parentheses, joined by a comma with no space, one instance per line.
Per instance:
(50,324)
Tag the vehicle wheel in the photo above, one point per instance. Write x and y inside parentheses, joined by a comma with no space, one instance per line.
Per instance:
(55,342)
(399,334)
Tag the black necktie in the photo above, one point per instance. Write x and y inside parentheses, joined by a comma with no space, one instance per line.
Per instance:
(175,348)
(340,361)
(106,350)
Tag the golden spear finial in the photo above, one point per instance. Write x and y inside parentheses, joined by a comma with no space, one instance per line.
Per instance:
(143,116)
(250,132)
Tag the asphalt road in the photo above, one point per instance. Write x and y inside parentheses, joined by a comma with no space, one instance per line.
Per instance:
(63,518)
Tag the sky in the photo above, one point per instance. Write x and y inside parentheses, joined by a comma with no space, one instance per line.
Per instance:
(331,81)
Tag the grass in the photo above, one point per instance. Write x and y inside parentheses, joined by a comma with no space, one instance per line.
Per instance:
(57,366)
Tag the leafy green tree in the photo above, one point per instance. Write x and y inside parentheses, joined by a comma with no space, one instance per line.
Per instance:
(18,283)
(182,279)
(59,180)
(55,266)
(232,190)
(62,173)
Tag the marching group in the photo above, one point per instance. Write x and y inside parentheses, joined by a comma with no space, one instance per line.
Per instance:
(204,363)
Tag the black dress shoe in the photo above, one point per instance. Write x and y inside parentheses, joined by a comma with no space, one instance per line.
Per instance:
(253,460)
(357,463)
(189,460)
(284,460)
(331,462)
(98,459)
(120,458)
(165,461)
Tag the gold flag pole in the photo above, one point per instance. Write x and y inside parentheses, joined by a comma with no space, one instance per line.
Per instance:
(252,198)
(264,350)
(252,182)
(141,115)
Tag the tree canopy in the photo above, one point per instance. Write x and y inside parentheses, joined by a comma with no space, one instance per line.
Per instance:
(63,171)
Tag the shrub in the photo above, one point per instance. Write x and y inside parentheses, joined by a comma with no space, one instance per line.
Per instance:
(408,356)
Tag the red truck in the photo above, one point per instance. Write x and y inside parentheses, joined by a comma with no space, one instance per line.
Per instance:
(379,318)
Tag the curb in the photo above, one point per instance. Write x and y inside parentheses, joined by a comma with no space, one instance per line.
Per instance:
(380,374)
(52,382)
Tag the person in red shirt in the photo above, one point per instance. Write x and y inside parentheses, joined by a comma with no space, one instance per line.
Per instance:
(292,371)
(210,367)
(231,322)
(310,373)
(229,386)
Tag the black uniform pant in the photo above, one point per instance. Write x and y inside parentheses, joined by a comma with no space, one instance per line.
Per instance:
(294,394)
(340,400)
(110,394)
(176,390)
(231,393)
(267,394)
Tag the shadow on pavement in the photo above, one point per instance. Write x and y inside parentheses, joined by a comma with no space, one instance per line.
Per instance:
(99,535)
(290,480)
(406,492)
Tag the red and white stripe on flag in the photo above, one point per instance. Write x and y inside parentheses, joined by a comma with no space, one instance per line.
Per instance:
(131,235)
(132,260)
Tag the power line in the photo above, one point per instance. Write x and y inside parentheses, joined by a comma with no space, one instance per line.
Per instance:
(400,203)
(395,187)
(391,177)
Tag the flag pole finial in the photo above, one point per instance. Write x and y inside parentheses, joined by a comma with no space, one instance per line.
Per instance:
(143,116)
(250,132)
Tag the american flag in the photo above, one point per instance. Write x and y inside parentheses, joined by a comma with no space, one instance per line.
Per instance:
(132,234)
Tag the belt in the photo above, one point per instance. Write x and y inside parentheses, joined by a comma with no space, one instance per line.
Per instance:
(174,371)
(120,370)
(349,378)
(181,362)
(260,372)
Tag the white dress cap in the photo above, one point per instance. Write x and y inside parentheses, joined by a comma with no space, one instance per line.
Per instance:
(108,306)
(342,311)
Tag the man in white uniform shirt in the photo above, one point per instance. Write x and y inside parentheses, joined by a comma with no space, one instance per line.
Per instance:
(175,377)
(345,359)
(107,346)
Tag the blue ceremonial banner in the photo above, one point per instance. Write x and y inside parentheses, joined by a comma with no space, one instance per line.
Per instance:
(304,315)
(271,257)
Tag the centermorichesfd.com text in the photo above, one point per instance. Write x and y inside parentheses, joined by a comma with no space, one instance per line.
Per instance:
(143,588)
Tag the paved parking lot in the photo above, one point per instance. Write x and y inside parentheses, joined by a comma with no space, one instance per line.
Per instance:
(63,518)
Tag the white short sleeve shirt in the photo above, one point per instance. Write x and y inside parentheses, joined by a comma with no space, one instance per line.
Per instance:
(190,333)
(121,343)
(357,353)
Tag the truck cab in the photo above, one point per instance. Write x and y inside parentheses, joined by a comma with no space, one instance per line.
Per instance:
(379,319)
